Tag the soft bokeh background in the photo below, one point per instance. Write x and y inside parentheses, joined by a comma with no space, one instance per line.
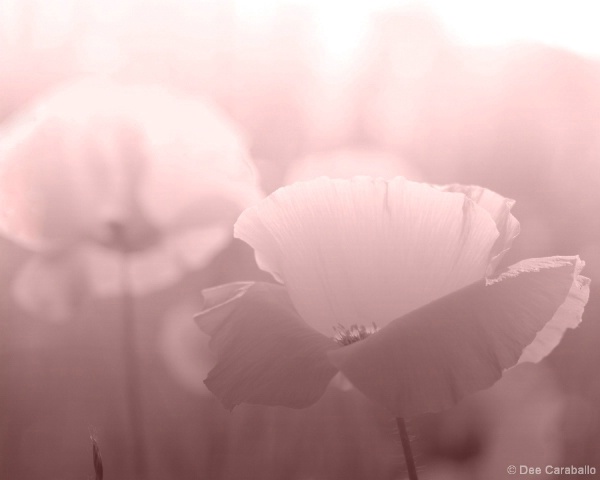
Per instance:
(505,95)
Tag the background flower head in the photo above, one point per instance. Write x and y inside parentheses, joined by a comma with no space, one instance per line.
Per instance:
(97,167)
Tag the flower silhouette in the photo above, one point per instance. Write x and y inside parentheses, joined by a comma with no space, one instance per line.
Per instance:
(97,168)
(416,260)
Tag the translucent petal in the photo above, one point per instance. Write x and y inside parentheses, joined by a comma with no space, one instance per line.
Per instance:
(93,153)
(499,208)
(54,183)
(434,356)
(266,354)
(197,161)
(567,316)
(367,250)
(111,273)
(156,267)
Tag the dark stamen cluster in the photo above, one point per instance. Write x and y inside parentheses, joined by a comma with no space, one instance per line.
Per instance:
(354,333)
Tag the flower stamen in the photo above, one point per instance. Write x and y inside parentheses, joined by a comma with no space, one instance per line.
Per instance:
(349,335)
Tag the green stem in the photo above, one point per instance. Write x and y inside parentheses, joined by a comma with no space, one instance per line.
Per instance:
(408,455)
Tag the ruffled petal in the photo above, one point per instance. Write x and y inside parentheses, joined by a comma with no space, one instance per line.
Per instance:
(367,250)
(434,356)
(266,354)
(499,208)
(567,316)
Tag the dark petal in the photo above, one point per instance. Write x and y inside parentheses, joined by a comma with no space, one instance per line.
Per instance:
(432,357)
(266,354)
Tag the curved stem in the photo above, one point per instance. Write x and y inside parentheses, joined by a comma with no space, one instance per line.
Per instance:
(408,455)
(132,374)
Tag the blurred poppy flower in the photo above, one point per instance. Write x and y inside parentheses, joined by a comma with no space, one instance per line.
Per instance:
(416,260)
(97,168)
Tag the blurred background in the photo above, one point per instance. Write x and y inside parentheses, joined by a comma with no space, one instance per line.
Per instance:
(501,94)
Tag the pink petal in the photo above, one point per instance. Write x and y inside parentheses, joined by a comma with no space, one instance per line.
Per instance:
(434,356)
(156,267)
(110,273)
(49,196)
(94,153)
(266,354)
(567,316)
(499,208)
(367,250)
(198,166)
(71,163)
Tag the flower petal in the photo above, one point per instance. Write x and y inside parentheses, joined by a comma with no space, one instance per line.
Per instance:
(198,167)
(93,154)
(567,316)
(147,270)
(156,267)
(266,354)
(499,208)
(69,165)
(434,356)
(40,176)
(367,250)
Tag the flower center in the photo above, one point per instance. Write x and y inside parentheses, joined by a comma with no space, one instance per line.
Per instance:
(348,335)
(132,236)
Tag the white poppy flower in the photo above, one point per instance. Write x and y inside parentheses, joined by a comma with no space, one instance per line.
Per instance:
(416,260)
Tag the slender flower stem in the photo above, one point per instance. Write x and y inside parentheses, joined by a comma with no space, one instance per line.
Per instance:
(408,455)
(132,373)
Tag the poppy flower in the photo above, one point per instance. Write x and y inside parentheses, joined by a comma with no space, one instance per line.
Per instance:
(416,261)
(96,169)
(184,347)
